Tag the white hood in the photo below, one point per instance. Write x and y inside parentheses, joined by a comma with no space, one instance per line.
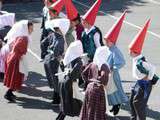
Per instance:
(19,29)
(62,23)
(74,51)
(7,19)
(101,56)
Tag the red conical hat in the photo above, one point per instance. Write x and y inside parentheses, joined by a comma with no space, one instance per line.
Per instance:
(71,11)
(137,43)
(113,33)
(91,14)
(58,6)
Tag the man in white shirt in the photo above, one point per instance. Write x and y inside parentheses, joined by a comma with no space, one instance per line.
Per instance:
(144,73)
(91,36)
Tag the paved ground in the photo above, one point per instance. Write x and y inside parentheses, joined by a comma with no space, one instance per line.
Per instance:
(34,99)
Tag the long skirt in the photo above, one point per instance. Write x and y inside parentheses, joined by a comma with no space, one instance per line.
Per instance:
(69,105)
(117,97)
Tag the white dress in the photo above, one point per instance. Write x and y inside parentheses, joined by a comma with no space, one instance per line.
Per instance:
(3,56)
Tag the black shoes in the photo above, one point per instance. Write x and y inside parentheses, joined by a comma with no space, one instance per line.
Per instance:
(115,109)
(10,96)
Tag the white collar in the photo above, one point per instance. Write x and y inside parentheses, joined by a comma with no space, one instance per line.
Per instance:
(89,30)
(137,57)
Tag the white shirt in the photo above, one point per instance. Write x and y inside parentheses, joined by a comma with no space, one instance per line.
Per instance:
(96,36)
(149,67)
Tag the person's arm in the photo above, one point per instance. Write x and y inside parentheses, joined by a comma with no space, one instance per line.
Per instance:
(97,39)
(58,49)
(118,59)
(147,69)
(104,75)
(77,69)
(85,73)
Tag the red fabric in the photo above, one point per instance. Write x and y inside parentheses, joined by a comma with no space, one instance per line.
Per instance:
(79,31)
(137,43)
(91,14)
(94,105)
(13,78)
(50,3)
(58,5)
(115,30)
(71,11)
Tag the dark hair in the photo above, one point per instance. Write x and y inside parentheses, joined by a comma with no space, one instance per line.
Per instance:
(51,1)
(53,11)
(77,18)
(30,23)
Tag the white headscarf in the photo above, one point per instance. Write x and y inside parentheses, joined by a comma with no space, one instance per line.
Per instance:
(74,51)
(7,19)
(19,29)
(101,56)
(62,23)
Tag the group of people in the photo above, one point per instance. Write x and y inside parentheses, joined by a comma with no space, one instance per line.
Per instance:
(74,52)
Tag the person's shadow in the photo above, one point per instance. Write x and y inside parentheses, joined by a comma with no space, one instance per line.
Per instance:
(31,103)
(36,80)
(150,113)
(33,86)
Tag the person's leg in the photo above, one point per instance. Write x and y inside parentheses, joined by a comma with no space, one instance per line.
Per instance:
(55,98)
(116,109)
(1,75)
(140,104)
(9,96)
(55,66)
(48,72)
(61,116)
(133,112)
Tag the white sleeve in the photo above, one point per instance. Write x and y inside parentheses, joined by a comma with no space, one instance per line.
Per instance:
(74,35)
(150,68)
(62,15)
(96,39)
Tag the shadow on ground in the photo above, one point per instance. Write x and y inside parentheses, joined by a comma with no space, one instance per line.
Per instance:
(30,103)
(36,80)
(33,10)
(33,86)
(111,6)
(30,91)
(150,113)
(119,118)
(25,10)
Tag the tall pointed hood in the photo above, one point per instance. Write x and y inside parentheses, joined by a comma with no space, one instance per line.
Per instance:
(113,33)
(137,43)
(71,10)
(58,6)
(91,14)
